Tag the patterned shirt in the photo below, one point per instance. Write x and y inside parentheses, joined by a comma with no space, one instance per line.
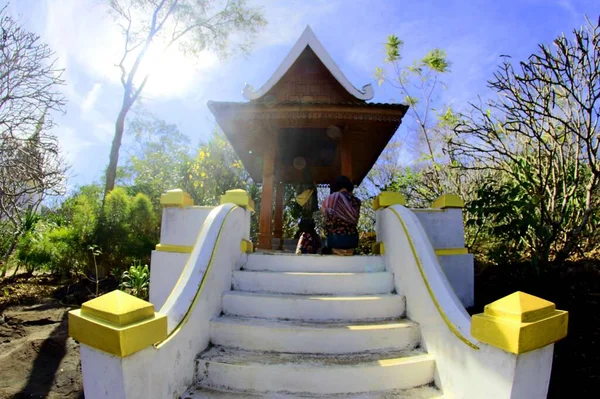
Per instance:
(336,226)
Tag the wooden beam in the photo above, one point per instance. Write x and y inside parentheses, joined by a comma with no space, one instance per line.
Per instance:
(278,230)
(346,147)
(266,200)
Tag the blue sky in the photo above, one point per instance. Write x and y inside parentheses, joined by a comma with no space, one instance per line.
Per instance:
(474,33)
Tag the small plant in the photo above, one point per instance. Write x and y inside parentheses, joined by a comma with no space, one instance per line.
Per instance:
(136,280)
(96,251)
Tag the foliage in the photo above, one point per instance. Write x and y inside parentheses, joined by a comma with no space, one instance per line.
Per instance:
(193,25)
(95,251)
(80,239)
(30,165)
(215,169)
(365,243)
(157,161)
(136,280)
(427,174)
(541,139)
(127,229)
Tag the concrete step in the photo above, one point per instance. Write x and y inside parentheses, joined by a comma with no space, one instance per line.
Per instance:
(314,283)
(263,372)
(323,308)
(313,263)
(423,392)
(305,337)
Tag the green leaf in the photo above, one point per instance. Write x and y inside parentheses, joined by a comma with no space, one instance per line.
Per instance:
(392,48)
(437,61)
(412,101)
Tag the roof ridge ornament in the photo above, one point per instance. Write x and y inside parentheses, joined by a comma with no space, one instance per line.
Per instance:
(309,39)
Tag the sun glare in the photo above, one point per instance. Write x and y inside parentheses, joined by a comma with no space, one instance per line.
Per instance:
(172,73)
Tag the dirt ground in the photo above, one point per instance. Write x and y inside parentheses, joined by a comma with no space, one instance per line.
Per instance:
(37,357)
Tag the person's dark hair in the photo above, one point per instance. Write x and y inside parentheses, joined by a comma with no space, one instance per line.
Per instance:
(306,226)
(340,183)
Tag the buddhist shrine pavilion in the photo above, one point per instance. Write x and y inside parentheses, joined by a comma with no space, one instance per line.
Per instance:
(307,124)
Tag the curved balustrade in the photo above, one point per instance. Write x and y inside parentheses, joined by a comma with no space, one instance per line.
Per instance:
(466,367)
(166,369)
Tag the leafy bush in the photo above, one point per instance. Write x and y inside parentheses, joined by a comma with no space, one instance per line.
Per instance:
(365,242)
(127,230)
(136,280)
(59,242)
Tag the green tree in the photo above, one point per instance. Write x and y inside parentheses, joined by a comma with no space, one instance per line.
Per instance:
(158,160)
(418,84)
(127,230)
(30,164)
(215,169)
(423,177)
(541,138)
(193,25)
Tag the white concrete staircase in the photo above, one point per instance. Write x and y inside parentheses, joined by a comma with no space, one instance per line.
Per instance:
(314,326)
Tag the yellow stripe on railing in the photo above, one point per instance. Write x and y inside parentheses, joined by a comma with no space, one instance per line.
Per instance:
(200,288)
(451,251)
(182,249)
(451,326)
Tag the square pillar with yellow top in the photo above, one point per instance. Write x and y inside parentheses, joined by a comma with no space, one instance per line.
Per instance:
(115,330)
(117,323)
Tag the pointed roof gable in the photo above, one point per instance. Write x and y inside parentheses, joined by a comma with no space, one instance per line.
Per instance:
(308,39)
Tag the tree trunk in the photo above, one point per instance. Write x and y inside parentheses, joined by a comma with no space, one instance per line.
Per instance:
(7,255)
(111,171)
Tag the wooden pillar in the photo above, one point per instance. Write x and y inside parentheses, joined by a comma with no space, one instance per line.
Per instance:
(278,230)
(346,155)
(266,199)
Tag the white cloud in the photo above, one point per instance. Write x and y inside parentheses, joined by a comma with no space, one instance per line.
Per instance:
(91,98)
(85,33)
(71,143)
(104,132)
(89,39)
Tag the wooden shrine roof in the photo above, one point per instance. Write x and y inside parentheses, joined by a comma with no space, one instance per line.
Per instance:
(309,132)
(304,109)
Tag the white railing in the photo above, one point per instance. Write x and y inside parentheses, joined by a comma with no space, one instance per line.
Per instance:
(466,368)
(167,369)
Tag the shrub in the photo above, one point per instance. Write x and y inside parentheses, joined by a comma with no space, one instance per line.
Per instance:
(136,280)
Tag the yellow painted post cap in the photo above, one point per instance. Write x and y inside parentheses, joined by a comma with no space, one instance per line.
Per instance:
(448,201)
(176,198)
(378,248)
(247,247)
(388,198)
(239,197)
(519,323)
(117,323)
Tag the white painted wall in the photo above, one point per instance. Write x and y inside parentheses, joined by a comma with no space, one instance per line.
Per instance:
(462,372)
(168,371)
(180,226)
(165,269)
(444,227)
(445,230)
(460,273)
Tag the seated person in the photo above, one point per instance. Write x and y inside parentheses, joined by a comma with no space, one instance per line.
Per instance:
(341,210)
(309,241)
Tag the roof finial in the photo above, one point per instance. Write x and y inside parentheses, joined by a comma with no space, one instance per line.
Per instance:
(308,38)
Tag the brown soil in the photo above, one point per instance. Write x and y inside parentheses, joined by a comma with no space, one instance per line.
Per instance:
(37,357)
